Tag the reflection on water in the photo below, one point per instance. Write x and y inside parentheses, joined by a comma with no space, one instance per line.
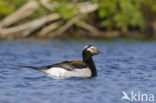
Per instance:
(124,66)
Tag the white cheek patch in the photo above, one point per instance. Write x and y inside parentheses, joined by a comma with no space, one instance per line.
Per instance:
(92,49)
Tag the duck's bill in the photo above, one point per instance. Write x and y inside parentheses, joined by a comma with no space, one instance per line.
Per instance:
(100,52)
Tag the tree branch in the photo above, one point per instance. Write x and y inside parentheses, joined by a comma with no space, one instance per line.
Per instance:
(67,25)
(29,27)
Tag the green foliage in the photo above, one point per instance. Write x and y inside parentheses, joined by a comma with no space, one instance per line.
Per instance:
(149,10)
(17,3)
(8,6)
(3,10)
(113,14)
(121,14)
(39,13)
(152,5)
(66,10)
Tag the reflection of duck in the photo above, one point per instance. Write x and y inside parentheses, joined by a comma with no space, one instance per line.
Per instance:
(67,69)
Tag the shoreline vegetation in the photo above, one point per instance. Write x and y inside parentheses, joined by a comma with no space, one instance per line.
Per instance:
(78,18)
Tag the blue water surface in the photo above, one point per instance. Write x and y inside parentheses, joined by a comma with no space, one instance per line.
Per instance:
(126,65)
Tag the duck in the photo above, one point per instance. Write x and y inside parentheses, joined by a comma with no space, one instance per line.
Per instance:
(68,69)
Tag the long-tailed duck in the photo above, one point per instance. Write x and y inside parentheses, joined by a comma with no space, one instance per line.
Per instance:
(67,69)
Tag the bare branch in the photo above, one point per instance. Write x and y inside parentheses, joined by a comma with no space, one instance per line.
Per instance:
(88,27)
(49,28)
(67,25)
(29,27)
(87,7)
(47,5)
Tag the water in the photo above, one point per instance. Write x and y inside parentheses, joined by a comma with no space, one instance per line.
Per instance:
(126,65)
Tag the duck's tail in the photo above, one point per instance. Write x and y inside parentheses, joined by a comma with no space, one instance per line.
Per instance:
(32,67)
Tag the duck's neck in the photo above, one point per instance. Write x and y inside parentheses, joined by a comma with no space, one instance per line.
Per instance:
(88,59)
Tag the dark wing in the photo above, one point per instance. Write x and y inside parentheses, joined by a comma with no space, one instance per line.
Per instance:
(69,65)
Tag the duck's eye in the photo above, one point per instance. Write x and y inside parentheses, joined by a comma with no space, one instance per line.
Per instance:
(92,50)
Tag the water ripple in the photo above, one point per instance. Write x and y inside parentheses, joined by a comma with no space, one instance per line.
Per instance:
(128,66)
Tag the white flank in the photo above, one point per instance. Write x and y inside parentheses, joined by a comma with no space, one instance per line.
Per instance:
(60,73)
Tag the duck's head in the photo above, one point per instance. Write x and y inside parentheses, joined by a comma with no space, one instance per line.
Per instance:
(92,50)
